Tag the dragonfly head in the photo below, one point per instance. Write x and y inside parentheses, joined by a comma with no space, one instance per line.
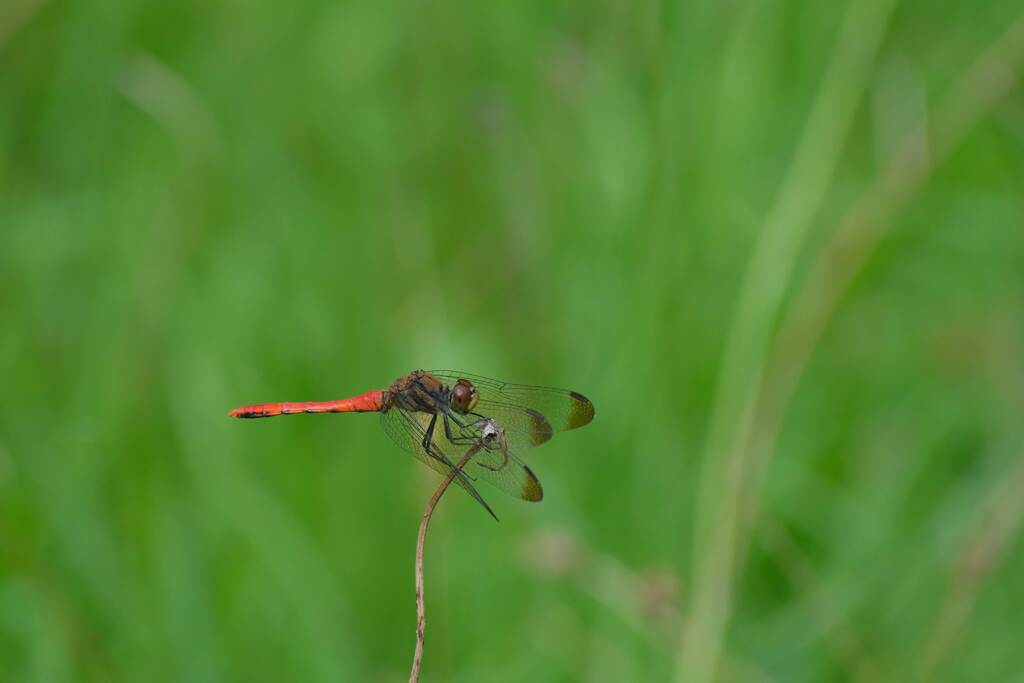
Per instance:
(464,396)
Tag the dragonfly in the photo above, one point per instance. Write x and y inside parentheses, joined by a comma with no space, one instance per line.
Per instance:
(439,415)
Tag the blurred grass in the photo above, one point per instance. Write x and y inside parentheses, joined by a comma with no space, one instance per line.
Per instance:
(204,206)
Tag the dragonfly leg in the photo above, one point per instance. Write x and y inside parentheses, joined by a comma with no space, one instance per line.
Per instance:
(463,440)
(463,425)
(504,462)
(459,471)
(457,440)
(428,437)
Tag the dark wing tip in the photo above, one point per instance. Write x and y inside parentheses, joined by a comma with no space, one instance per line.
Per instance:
(581,412)
(540,428)
(532,490)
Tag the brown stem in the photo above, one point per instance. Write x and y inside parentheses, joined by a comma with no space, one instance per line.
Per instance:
(421,610)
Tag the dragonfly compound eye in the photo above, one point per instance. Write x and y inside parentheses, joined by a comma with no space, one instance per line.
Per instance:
(464,396)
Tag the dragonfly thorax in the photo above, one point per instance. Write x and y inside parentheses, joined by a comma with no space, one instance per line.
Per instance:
(422,392)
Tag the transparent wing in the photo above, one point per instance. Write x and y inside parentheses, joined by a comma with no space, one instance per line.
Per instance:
(407,430)
(495,463)
(529,414)
(524,426)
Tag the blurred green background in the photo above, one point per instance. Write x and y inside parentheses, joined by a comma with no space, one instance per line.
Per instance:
(779,244)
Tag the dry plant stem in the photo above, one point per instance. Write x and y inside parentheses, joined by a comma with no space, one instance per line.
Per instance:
(421,610)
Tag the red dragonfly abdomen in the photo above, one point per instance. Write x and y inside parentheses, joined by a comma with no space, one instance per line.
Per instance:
(369,402)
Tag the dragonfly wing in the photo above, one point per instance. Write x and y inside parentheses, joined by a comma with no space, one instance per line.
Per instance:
(508,474)
(516,407)
(495,463)
(408,430)
(524,426)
